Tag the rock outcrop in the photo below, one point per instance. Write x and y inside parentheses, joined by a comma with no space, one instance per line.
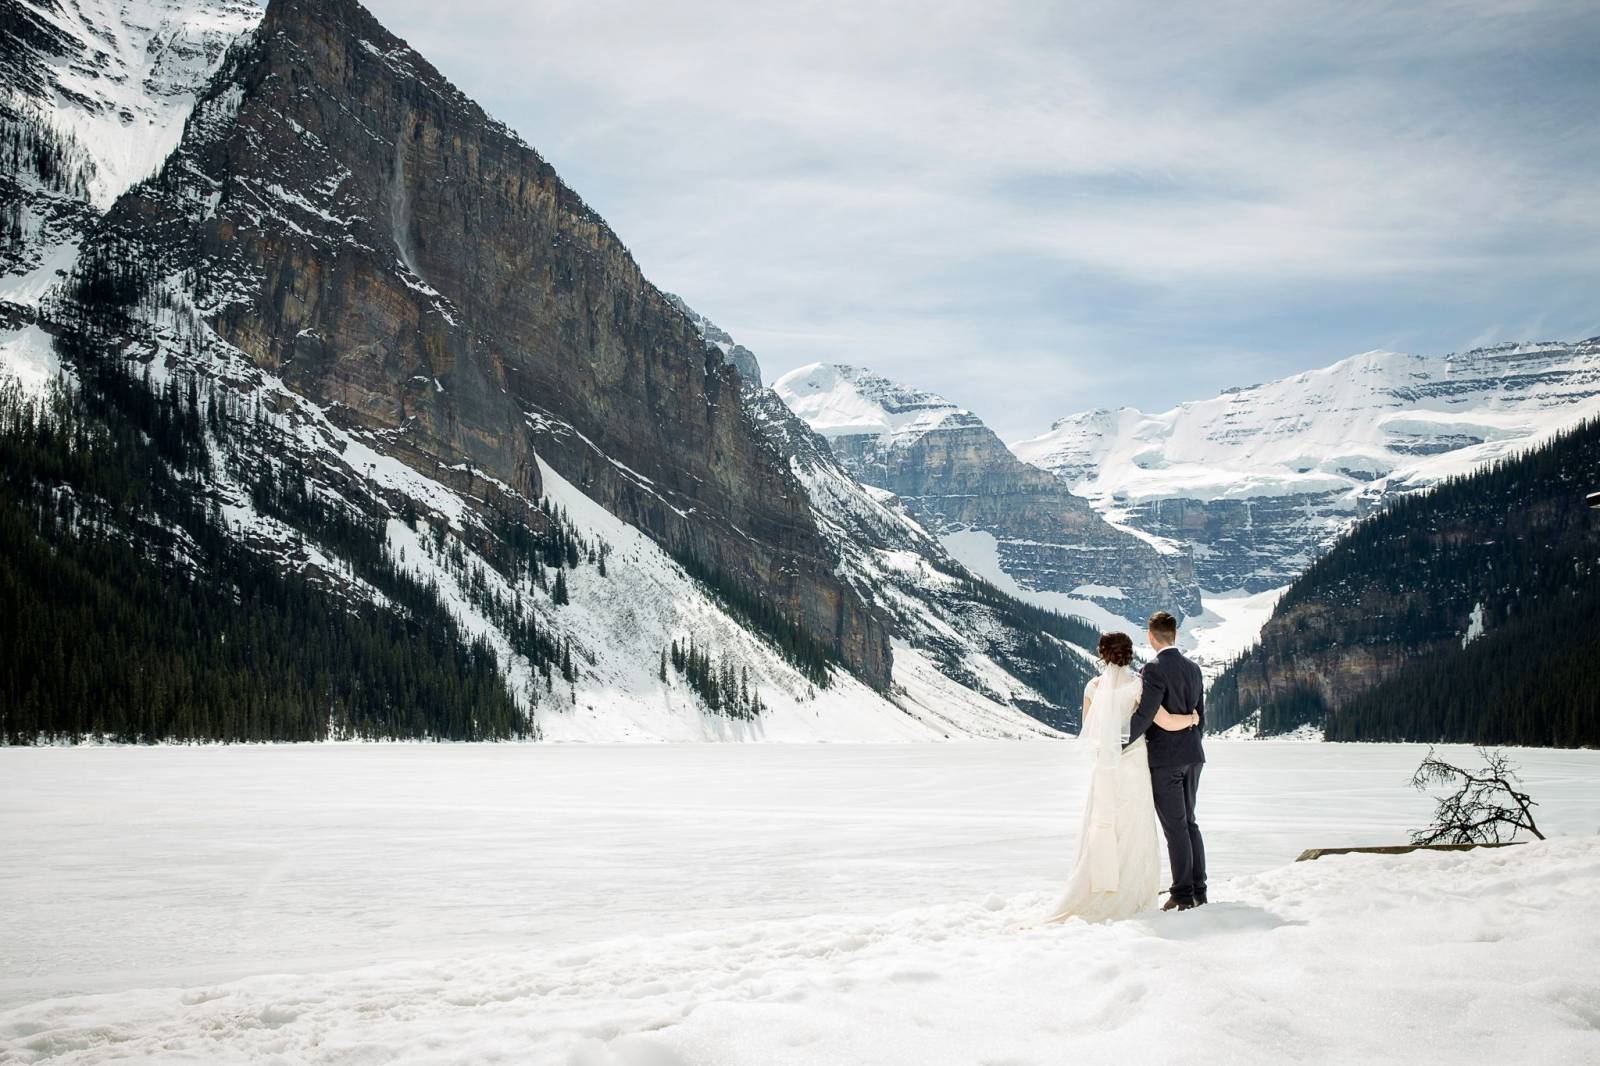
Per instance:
(734,354)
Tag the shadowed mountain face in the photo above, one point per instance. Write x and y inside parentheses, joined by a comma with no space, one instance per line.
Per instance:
(1469,612)
(359,228)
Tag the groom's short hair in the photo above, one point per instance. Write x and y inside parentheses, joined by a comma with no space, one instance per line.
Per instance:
(1164,626)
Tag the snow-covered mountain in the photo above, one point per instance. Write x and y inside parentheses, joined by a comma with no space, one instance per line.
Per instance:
(117,77)
(93,97)
(1260,480)
(1004,519)
(986,640)
(380,305)
(1464,613)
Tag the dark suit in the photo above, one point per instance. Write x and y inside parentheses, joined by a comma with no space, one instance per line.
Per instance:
(1173,682)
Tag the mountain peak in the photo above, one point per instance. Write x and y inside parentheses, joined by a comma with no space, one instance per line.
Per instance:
(1263,477)
(839,400)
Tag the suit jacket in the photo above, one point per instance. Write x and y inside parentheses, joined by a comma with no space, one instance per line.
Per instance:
(1173,682)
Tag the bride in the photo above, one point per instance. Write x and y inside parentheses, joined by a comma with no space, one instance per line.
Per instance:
(1118,870)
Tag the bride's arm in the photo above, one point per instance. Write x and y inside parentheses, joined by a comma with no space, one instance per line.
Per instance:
(1174,723)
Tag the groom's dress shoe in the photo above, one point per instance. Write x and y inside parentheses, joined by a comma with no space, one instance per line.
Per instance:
(1174,904)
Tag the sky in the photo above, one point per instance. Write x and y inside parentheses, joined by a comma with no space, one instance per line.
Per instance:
(1038,208)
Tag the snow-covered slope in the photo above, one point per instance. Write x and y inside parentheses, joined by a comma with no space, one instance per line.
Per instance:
(852,401)
(645,600)
(1261,479)
(118,77)
(93,97)
(1001,517)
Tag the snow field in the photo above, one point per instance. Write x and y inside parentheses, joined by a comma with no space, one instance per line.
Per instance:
(667,905)
(1230,623)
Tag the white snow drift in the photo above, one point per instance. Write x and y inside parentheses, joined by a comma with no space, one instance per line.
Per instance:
(761,905)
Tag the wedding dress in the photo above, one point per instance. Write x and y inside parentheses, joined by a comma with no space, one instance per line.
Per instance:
(1118,870)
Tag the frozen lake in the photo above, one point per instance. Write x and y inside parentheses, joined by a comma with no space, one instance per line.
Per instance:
(132,868)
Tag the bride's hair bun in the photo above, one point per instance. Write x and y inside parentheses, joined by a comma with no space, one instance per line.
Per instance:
(1116,649)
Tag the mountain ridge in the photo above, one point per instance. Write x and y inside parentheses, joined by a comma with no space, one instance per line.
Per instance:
(1262,478)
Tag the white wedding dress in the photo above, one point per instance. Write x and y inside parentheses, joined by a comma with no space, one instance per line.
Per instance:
(1118,870)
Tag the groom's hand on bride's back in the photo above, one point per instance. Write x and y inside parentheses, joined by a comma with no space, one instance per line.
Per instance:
(1155,691)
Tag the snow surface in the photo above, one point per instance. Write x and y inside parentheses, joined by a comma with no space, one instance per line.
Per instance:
(716,904)
(1230,623)
(28,357)
(1248,728)
(1474,625)
(29,287)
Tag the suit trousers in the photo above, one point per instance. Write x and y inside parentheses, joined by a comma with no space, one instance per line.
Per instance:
(1175,788)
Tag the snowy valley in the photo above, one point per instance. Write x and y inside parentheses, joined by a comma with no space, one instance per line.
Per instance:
(340,437)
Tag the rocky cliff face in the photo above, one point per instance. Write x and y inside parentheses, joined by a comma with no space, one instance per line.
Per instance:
(959,480)
(346,218)
(1261,480)
(734,354)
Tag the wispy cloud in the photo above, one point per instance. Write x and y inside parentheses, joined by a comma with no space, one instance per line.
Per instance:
(1038,207)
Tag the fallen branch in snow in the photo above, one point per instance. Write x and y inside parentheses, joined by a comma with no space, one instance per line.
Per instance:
(1485,803)
(1397,849)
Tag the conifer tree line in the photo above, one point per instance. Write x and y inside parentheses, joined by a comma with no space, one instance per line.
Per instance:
(722,688)
(144,619)
(812,657)
(1042,658)
(123,639)
(1515,542)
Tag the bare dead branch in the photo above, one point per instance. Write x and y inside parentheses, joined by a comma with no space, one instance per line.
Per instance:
(1485,803)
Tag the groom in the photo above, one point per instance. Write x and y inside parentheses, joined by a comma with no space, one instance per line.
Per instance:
(1173,682)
